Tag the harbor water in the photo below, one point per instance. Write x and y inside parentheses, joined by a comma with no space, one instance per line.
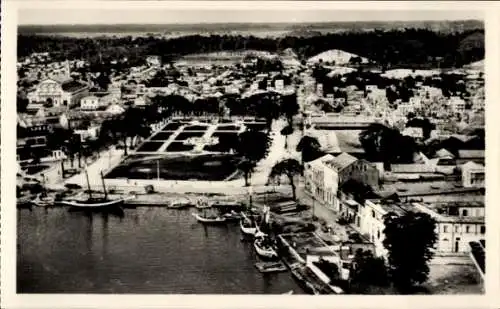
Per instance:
(148,250)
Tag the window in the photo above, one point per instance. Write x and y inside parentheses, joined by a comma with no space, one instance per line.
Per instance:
(464,213)
(373,214)
(457,228)
(378,234)
(467,229)
(483,229)
(445,228)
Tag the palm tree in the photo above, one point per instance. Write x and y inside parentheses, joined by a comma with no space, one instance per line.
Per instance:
(247,167)
(287,131)
(290,168)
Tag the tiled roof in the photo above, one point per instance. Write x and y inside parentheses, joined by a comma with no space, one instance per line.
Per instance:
(471,154)
(341,161)
(443,153)
(73,86)
(412,168)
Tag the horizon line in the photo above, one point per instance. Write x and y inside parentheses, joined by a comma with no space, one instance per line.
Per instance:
(258,22)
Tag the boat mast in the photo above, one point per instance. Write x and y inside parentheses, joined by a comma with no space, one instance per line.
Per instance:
(88,183)
(104,186)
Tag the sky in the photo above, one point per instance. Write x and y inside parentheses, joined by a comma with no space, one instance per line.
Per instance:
(164,16)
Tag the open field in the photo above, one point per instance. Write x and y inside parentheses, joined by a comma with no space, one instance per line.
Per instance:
(203,167)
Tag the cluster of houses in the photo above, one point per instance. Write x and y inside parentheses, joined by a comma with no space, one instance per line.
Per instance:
(461,109)
(457,205)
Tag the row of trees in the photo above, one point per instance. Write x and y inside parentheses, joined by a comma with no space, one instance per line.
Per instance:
(409,47)
(268,105)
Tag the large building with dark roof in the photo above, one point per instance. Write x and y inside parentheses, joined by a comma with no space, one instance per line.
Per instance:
(56,93)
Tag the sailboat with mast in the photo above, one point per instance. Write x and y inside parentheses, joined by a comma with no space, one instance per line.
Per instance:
(93,202)
(263,243)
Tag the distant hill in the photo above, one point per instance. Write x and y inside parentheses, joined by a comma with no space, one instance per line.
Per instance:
(292,29)
(407,48)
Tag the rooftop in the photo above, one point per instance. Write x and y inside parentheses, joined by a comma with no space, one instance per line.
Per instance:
(464,154)
(73,86)
(341,161)
(422,188)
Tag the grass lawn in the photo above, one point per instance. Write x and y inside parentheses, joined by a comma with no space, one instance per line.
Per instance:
(228,127)
(185,135)
(179,146)
(150,146)
(203,167)
(172,126)
(195,128)
(161,136)
(256,126)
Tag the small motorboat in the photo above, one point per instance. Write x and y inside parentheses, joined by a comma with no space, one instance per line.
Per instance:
(203,203)
(42,200)
(232,215)
(209,219)
(264,248)
(180,204)
(247,225)
(270,267)
(288,293)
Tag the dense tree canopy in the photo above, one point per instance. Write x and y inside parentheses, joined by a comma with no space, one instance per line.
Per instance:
(408,47)
(310,148)
(368,270)
(409,240)
(379,143)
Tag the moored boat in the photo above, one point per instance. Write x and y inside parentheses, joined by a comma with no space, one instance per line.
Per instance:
(288,293)
(96,203)
(247,228)
(232,216)
(42,200)
(269,267)
(264,248)
(209,219)
(247,225)
(181,204)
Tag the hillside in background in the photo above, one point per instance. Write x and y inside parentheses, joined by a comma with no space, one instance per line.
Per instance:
(405,47)
(291,28)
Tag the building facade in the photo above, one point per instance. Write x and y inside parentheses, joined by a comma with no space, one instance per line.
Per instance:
(473,175)
(58,94)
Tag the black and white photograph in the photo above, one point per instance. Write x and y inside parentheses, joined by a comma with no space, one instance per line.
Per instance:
(249,151)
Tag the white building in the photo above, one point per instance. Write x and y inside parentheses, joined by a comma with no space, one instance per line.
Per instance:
(115,109)
(457,104)
(473,175)
(456,230)
(57,93)
(322,181)
(319,90)
(90,103)
(154,61)
(456,223)
(413,132)
(279,85)
(141,101)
